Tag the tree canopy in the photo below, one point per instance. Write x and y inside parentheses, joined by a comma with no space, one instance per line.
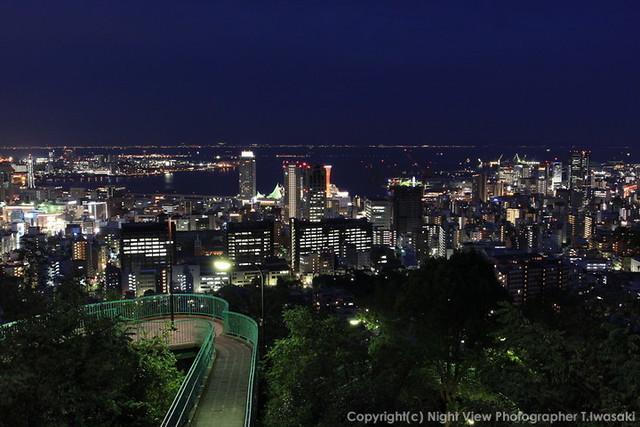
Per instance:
(64,368)
(445,337)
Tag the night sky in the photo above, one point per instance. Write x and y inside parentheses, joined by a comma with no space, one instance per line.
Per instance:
(347,72)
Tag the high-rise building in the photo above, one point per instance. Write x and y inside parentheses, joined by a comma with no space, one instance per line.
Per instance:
(146,256)
(588,227)
(479,189)
(579,170)
(513,214)
(575,228)
(31,178)
(542,183)
(79,250)
(83,257)
(112,278)
(317,193)
(97,210)
(327,184)
(527,237)
(428,241)
(438,240)
(529,275)
(347,240)
(407,209)
(249,243)
(186,278)
(6,174)
(50,162)
(306,189)
(379,213)
(6,180)
(556,175)
(295,182)
(35,248)
(247,175)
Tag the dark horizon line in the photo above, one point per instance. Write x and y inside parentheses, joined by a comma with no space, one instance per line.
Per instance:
(254,145)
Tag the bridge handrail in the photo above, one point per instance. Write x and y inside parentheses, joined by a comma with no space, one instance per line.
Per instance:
(183,403)
(244,327)
(235,324)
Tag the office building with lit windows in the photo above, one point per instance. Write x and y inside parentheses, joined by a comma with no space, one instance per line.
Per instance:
(247,175)
(379,213)
(145,254)
(317,193)
(249,243)
(579,169)
(348,241)
(295,194)
(527,276)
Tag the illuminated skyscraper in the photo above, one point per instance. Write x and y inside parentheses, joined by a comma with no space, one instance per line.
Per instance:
(579,178)
(556,175)
(327,169)
(31,179)
(579,170)
(247,175)
(317,193)
(295,184)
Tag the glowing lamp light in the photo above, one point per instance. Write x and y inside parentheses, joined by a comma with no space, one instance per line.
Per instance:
(222,265)
(355,322)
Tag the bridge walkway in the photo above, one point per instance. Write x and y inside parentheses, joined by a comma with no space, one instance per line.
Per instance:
(224,398)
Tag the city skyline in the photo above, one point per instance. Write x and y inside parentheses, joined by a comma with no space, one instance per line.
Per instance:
(336,213)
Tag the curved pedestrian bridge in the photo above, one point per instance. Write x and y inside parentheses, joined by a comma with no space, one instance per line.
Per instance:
(218,388)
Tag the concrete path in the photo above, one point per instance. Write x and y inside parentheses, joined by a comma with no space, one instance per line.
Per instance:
(188,332)
(224,398)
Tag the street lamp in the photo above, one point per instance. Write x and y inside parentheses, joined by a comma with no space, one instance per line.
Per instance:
(222,265)
(261,300)
(172,258)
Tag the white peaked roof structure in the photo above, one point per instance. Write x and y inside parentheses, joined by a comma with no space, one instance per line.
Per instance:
(277,193)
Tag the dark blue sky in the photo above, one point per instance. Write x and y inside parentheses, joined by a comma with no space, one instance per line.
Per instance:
(424,72)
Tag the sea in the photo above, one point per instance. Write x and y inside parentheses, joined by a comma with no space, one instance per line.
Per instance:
(359,170)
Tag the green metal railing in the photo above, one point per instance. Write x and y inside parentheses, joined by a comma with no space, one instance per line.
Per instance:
(235,324)
(194,381)
(244,327)
(160,306)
